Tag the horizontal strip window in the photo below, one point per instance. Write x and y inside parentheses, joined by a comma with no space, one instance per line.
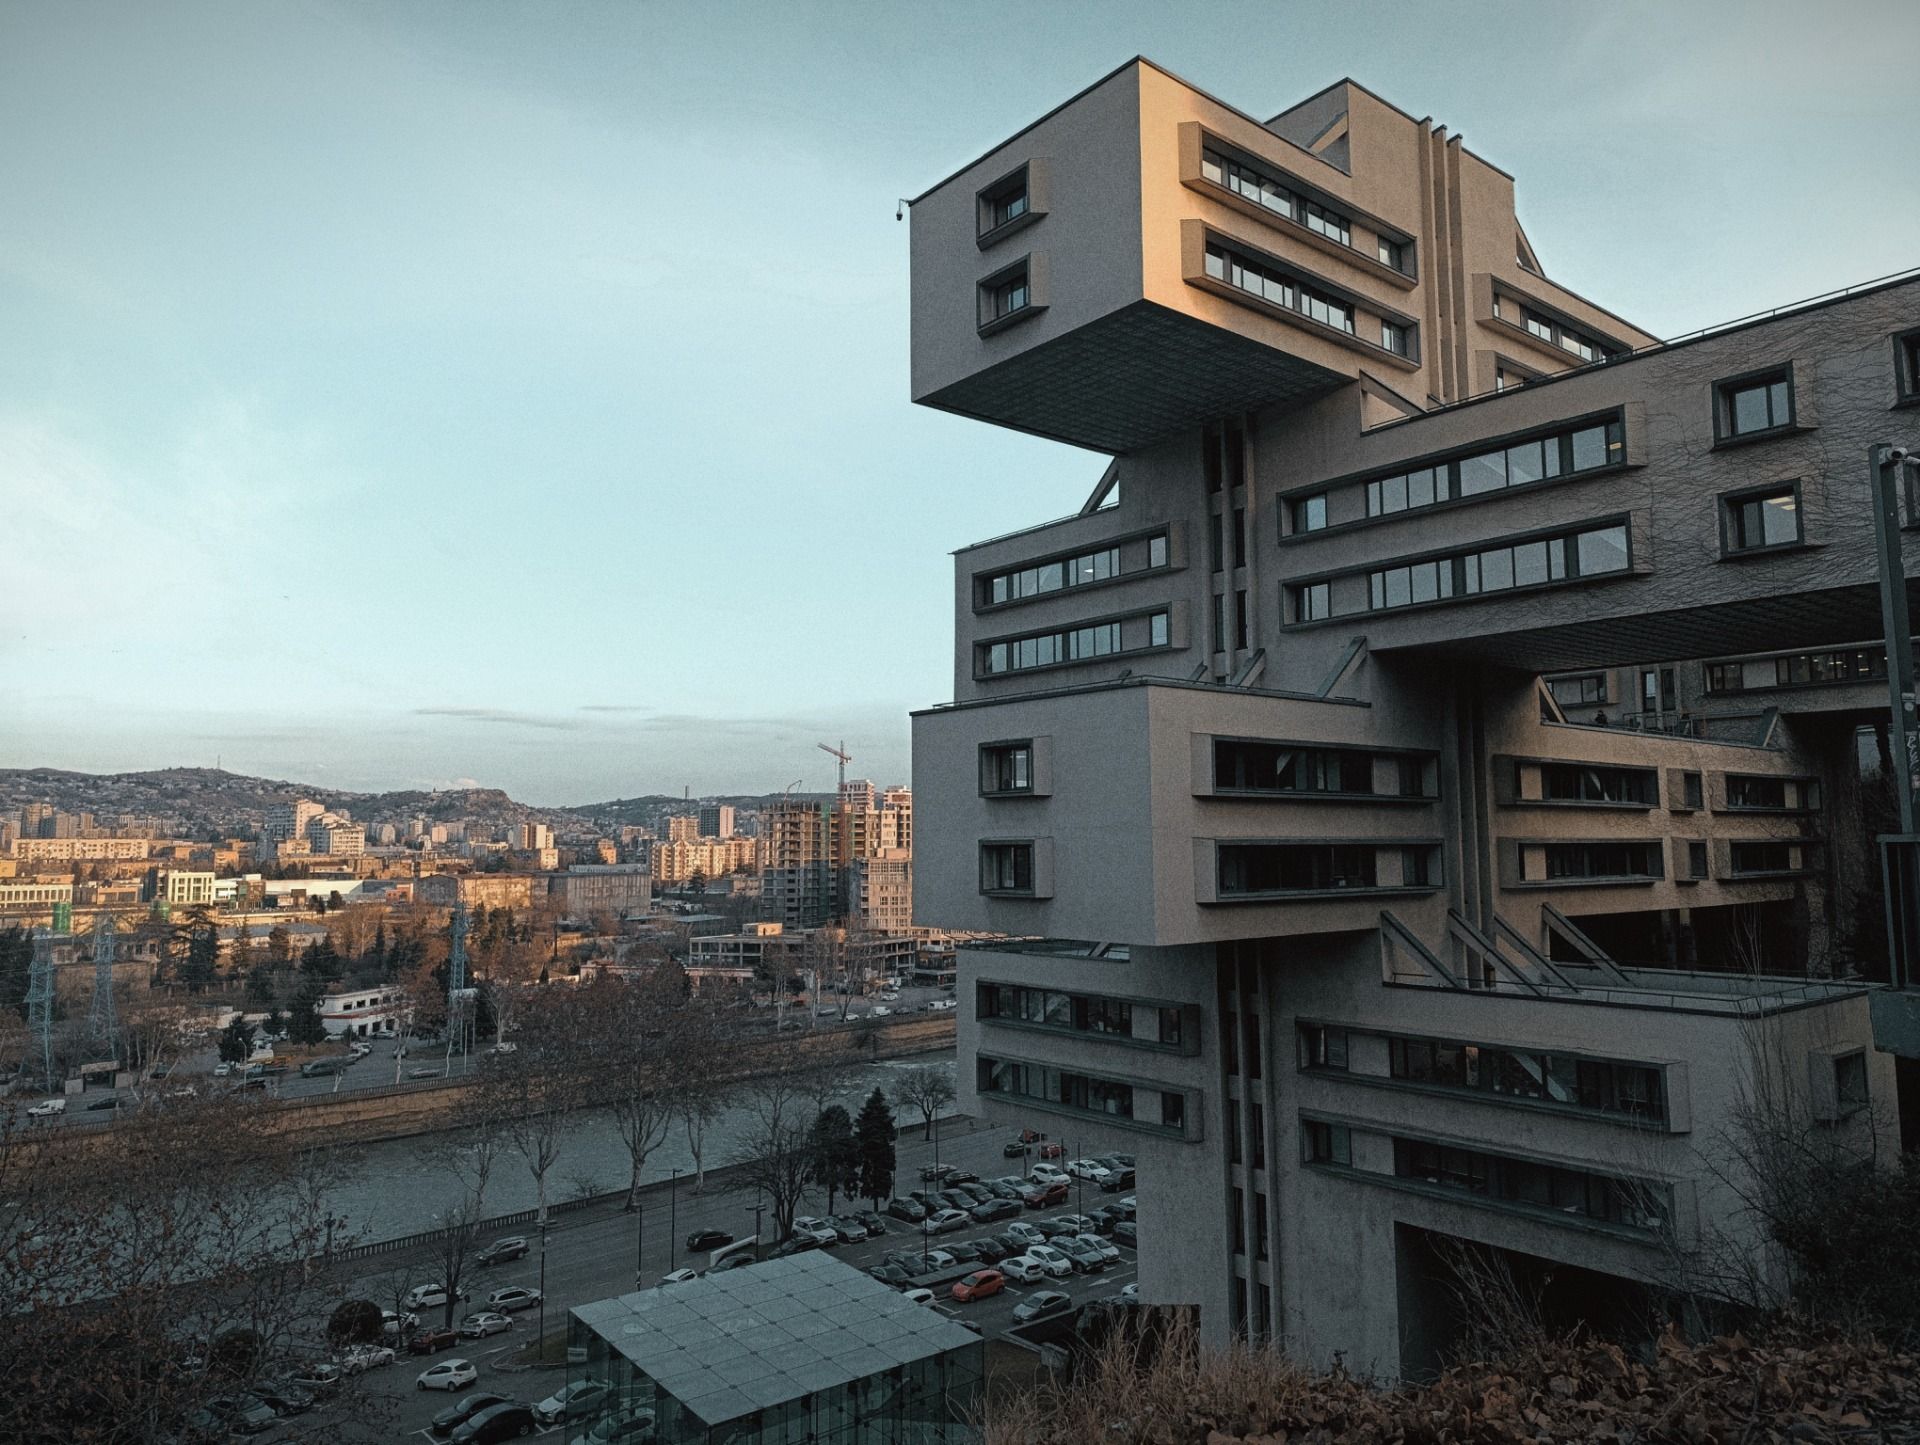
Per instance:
(1759,857)
(1006,868)
(1277,288)
(1582,689)
(1594,860)
(1799,669)
(1122,1020)
(1113,1099)
(1638,1204)
(1586,783)
(1570,557)
(1073,644)
(1551,330)
(1057,574)
(1274,194)
(1760,793)
(1604,1086)
(1564,454)
(1242,765)
(1262,870)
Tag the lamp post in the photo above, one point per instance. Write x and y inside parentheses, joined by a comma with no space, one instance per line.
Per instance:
(673,1218)
(757,1209)
(542,1337)
(639,1242)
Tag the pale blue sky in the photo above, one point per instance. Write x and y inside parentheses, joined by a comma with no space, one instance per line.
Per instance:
(398,394)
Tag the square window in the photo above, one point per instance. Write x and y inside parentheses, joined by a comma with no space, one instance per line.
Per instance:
(1006,868)
(1754,405)
(1764,519)
(1005,202)
(1310,513)
(1006,768)
(1602,551)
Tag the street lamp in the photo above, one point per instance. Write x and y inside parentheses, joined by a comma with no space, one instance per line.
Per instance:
(541,1338)
(673,1218)
(757,1209)
(640,1241)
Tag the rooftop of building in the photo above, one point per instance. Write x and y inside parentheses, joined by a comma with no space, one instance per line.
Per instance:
(725,1345)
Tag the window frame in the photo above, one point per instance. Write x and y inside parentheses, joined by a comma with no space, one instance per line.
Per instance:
(1558,330)
(1906,367)
(1304,291)
(1009,746)
(1725,389)
(987,201)
(1159,620)
(1012,847)
(989,318)
(1733,527)
(983,581)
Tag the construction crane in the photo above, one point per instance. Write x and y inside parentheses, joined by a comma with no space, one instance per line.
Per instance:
(844,757)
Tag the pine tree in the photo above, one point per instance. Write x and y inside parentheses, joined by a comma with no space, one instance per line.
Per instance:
(236,1042)
(834,1156)
(203,955)
(874,1134)
(16,962)
(304,1026)
(379,954)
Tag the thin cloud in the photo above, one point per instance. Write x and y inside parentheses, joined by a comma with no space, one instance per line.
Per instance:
(499,716)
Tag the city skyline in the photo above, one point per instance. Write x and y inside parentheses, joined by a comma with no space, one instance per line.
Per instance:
(361,362)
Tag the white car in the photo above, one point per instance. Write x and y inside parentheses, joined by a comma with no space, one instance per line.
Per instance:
(807,1227)
(515,1297)
(945,1221)
(581,1397)
(47,1109)
(1091,1170)
(938,1259)
(919,1296)
(428,1296)
(222,1069)
(1046,1174)
(447,1375)
(879,1011)
(1051,1260)
(365,1357)
(1131,1294)
(1108,1253)
(394,1325)
(1027,1234)
(1023,1269)
(679,1276)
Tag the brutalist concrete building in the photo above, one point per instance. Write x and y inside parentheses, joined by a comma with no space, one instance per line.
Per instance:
(1426,778)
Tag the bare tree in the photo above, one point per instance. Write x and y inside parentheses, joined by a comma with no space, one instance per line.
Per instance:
(926,1090)
(536,1087)
(774,1154)
(630,1029)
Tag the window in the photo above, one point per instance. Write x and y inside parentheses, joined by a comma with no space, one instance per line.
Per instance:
(1005,202)
(1006,768)
(1265,280)
(1237,1221)
(1327,222)
(1551,330)
(1396,337)
(1323,1143)
(1696,859)
(1906,352)
(1075,1092)
(1586,783)
(1157,550)
(1250,1043)
(1006,868)
(1752,405)
(1069,645)
(1239,536)
(1692,790)
(1632,1203)
(1256,869)
(1311,602)
(1240,619)
(1603,860)
(1260,1227)
(1600,1085)
(1850,1083)
(1581,690)
(1752,857)
(1259,1137)
(1538,459)
(1323,1047)
(1590,553)
(1270,194)
(1397,254)
(1005,297)
(1747,791)
(1799,669)
(1234,1154)
(1309,513)
(1757,520)
(1243,765)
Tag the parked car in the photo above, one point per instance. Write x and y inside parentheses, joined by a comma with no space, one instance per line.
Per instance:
(1040,1305)
(365,1357)
(1027,1234)
(891,1274)
(963,1251)
(907,1259)
(1127,1207)
(47,1109)
(428,1296)
(483,1323)
(319,1377)
(1079,1223)
(1117,1180)
(992,1209)
(630,1427)
(243,1414)
(798,1244)
(850,1230)
(457,1414)
(1051,1260)
(393,1326)
(1052,1149)
(223,1068)
(919,1296)
(1006,1188)
(432,1341)
(1131,1294)
(1087,1169)
(930,1172)
(1127,1232)
(1057,1229)
(112,1101)
(515,1297)
(806,1226)
(981,1284)
(572,1400)
(1025,1269)
(677,1276)
(284,1398)
(702,1240)
(447,1375)
(875,1223)
(1047,1174)
(1010,1242)
(946,1221)
(1086,1258)
(992,1251)
(938,1259)
(423,1072)
(496,1423)
(1014,1149)
(1108,1254)
(502,1250)
(911,1210)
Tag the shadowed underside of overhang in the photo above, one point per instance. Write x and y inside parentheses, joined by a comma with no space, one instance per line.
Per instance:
(1133,378)
(1761,624)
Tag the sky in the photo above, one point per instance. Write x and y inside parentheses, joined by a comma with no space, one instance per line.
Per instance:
(416,395)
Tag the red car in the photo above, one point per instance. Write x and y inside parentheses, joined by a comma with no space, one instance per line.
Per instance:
(431,1342)
(981,1284)
(1053,1149)
(1044,1196)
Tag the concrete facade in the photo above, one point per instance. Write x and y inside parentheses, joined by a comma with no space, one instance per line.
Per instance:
(1486,690)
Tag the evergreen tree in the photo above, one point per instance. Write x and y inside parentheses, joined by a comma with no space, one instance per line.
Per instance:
(874,1134)
(320,960)
(276,1023)
(379,954)
(16,961)
(236,1042)
(203,957)
(304,1027)
(279,944)
(833,1155)
(260,985)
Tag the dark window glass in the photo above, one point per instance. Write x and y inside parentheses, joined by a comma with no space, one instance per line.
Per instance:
(1310,513)
(1006,867)
(1744,791)
(1753,857)
(1008,296)
(1691,789)
(1007,768)
(1603,860)
(1251,869)
(1756,406)
(1241,765)
(1323,1143)
(1768,520)
(1586,783)
(1696,860)
(1850,1082)
(1312,602)
(1590,687)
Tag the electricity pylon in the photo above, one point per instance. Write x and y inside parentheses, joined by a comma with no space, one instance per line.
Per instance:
(102,1025)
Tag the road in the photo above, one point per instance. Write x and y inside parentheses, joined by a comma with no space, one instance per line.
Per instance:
(593,1260)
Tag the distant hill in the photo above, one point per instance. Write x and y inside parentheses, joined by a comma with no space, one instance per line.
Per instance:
(208,800)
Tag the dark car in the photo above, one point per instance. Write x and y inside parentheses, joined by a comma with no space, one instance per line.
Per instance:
(907,1259)
(977,1192)
(891,1274)
(962,1250)
(994,1209)
(992,1251)
(431,1342)
(876,1224)
(244,1414)
(963,1176)
(287,1399)
(702,1240)
(930,1172)
(799,1244)
(1127,1232)
(502,1250)
(464,1409)
(496,1423)
(1117,1180)
(1012,1243)
(112,1101)
(1014,1149)
(1104,1218)
(734,1261)
(1004,1189)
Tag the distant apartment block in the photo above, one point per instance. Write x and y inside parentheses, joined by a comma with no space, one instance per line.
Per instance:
(289,820)
(679,860)
(529,837)
(716,820)
(621,889)
(476,890)
(23,894)
(332,836)
(1429,763)
(179,888)
(80,850)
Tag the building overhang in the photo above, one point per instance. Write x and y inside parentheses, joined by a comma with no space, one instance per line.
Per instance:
(1132,378)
